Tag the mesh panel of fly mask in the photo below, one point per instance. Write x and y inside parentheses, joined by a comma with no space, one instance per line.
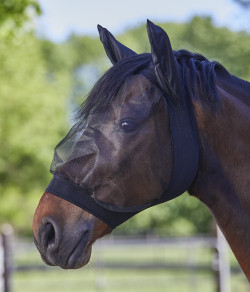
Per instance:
(71,153)
(115,156)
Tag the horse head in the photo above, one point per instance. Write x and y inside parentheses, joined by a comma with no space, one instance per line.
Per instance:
(118,158)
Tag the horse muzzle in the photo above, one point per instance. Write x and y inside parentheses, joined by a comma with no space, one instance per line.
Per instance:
(64,233)
(69,251)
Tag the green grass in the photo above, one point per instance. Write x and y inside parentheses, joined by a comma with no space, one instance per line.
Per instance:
(111,280)
(91,278)
(119,280)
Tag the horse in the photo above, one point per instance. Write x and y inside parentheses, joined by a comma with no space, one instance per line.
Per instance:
(153,126)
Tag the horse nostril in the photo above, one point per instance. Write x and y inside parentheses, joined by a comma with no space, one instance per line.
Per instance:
(48,235)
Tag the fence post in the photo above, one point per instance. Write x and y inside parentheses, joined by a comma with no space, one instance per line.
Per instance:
(223,264)
(5,235)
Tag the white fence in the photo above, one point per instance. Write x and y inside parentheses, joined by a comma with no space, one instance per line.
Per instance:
(219,268)
(2,265)
(5,235)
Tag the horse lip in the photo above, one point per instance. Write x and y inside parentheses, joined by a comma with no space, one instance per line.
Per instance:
(46,261)
(79,255)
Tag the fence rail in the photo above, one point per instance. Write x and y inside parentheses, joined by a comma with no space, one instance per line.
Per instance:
(216,267)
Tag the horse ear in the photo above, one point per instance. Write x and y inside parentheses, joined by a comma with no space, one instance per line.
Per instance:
(166,66)
(114,49)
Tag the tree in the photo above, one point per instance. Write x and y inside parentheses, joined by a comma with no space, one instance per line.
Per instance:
(33,117)
(15,13)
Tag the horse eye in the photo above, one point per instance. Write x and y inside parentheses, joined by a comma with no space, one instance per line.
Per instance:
(128,126)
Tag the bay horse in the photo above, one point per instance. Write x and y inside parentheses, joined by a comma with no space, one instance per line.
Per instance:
(153,126)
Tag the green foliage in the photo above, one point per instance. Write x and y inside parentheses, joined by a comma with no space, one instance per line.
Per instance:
(14,13)
(32,118)
(41,82)
(182,216)
(229,48)
(84,49)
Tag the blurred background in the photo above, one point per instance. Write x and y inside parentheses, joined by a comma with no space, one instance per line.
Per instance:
(50,57)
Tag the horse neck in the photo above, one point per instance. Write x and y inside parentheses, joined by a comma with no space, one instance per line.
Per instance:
(223,179)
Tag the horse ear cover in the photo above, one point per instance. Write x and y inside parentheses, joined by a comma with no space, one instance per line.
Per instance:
(166,66)
(114,49)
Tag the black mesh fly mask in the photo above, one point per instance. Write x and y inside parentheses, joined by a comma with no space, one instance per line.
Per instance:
(76,155)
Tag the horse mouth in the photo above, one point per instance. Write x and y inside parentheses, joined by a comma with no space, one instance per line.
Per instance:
(80,254)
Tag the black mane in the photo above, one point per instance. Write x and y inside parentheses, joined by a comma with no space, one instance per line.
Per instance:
(201,72)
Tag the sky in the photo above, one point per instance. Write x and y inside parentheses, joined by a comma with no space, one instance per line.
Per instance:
(62,17)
